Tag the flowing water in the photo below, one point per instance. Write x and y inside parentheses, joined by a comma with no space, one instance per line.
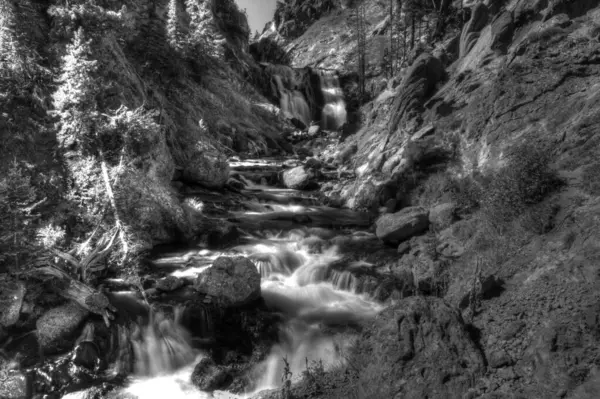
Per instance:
(334,111)
(295,282)
(292,103)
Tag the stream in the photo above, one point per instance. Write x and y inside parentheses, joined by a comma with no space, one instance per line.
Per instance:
(296,281)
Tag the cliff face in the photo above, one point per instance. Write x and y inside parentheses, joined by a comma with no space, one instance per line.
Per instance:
(518,75)
(148,92)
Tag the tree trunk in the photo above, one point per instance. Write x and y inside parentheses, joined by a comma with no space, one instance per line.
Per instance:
(87,297)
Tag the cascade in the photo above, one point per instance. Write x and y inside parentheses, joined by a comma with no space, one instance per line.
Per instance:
(292,103)
(334,113)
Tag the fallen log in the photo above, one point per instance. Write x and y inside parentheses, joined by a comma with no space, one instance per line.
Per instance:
(87,297)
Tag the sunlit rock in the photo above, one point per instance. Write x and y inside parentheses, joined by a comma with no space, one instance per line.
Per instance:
(56,327)
(396,227)
(232,281)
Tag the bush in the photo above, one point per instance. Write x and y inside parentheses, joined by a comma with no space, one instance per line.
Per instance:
(466,194)
(16,197)
(526,179)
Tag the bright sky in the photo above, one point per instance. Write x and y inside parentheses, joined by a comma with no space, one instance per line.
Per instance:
(259,12)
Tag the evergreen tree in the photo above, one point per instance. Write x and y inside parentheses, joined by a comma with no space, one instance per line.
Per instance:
(75,99)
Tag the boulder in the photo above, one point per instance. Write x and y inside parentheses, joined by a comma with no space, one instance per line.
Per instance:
(207,376)
(169,283)
(13,384)
(57,327)
(424,348)
(206,167)
(298,178)
(151,209)
(11,301)
(397,227)
(233,281)
(441,216)
(314,130)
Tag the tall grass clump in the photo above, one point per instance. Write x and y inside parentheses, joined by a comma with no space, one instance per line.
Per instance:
(525,180)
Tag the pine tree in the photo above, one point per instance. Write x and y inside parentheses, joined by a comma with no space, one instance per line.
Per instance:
(174,34)
(75,99)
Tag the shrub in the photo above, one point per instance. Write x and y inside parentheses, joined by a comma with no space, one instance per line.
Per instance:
(16,197)
(467,194)
(438,188)
(526,179)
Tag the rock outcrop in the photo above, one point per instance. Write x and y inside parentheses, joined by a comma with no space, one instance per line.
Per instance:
(426,343)
(55,329)
(232,281)
(397,227)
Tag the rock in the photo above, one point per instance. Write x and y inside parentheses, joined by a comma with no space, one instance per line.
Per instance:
(222,234)
(206,167)
(86,354)
(13,384)
(298,178)
(400,226)
(346,154)
(314,130)
(502,31)
(11,301)
(169,283)
(56,327)
(152,210)
(403,248)
(470,33)
(207,376)
(233,281)
(312,163)
(499,358)
(423,342)
(303,153)
(512,329)
(390,205)
(441,216)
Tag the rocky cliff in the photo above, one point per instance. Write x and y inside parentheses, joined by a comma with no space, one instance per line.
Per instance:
(458,131)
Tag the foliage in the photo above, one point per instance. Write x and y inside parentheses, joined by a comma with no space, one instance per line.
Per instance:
(293,17)
(467,194)
(526,179)
(17,195)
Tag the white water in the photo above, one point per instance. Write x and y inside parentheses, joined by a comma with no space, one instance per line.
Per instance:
(334,111)
(292,103)
(296,283)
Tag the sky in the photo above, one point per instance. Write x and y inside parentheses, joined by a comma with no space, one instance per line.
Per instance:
(259,12)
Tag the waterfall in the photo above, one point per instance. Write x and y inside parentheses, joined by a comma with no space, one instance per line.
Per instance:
(334,109)
(292,103)
(162,345)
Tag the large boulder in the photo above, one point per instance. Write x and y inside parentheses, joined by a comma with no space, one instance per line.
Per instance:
(57,327)
(13,384)
(396,227)
(423,350)
(299,178)
(233,281)
(11,300)
(207,376)
(207,167)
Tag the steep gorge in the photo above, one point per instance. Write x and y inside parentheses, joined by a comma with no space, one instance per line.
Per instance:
(432,240)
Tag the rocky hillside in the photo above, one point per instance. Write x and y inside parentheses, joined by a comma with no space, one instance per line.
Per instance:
(109,107)
(481,157)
